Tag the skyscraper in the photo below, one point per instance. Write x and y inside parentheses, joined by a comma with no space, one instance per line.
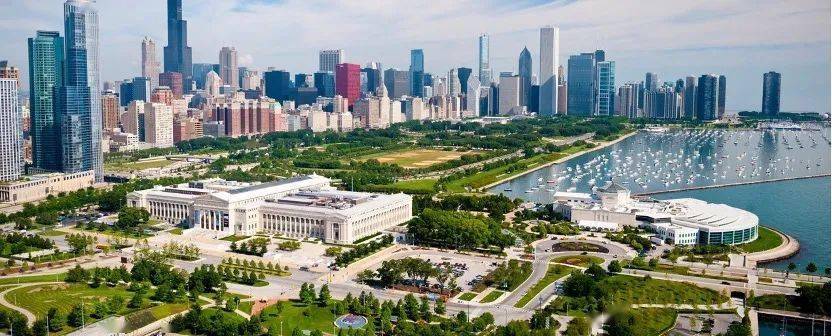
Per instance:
(626,103)
(109,110)
(212,83)
(7,71)
(509,94)
(454,86)
(472,97)
(347,83)
(524,70)
(484,60)
(325,83)
(662,103)
(373,78)
(79,99)
(173,80)
(651,81)
(464,74)
(228,67)
(707,97)
(417,71)
(721,100)
(278,85)
(11,134)
(46,57)
(581,97)
(397,83)
(690,97)
(177,52)
(771,93)
(328,59)
(199,72)
(606,87)
(150,64)
(549,54)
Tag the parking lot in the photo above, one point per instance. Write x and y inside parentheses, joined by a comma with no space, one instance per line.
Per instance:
(468,269)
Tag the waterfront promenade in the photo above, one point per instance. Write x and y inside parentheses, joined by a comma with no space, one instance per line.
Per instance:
(724,185)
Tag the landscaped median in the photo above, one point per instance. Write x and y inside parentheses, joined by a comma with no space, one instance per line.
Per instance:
(554,273)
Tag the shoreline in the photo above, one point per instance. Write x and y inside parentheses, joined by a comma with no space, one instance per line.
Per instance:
(561,160)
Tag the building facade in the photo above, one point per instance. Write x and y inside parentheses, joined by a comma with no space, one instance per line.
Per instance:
(549,63)
(46,57)
(11,134)
(347,82)
(39,186)
(581,98)
(771,93)
(150,64)
(177,52)
(484,60)
(328,59)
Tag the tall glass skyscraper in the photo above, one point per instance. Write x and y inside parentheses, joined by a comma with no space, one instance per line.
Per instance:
(11,134)
(46,59)
(707,97)
(484,61)
(177,52)
(417,71)
(79,99)
(524,70)
(549,55)
(771,93)
(581,83)
(606,87)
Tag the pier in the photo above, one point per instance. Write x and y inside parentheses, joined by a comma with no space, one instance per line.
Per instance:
(727,185)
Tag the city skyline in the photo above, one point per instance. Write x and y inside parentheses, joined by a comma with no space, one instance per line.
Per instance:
(679,32)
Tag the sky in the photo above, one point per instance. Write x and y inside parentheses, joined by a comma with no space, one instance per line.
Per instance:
(740,39)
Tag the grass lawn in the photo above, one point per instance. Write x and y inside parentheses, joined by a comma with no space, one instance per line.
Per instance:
(467,296)
(627,290)
(684,270)
(246,306)
(579,260)
(767,239)
(176,231)
(33,278)
(234,238)
(653,321)
(416,158)
(137,165)
(774,301)
(487,177)
(554,273)
(298,315)
(492,296)
(51,233)
(424,186)
(38,299)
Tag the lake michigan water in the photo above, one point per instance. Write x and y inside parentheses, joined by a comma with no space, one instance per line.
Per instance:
(648,162)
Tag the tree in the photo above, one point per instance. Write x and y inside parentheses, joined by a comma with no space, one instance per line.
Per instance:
(614,267)
(39,328)
(56,320)
(80,242)
(578,326)
(77,274)
(811,268)
(136,301)
(791,268)
(76,316)
(115,303)
(439,307)
(46,218)
(621,324)
(132,218)
(22,223)
(324,295)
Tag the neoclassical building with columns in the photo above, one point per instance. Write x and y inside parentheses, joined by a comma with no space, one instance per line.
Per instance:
(299,207)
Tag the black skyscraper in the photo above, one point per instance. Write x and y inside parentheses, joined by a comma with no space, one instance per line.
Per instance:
(278,85)
(771,93)
(463,74)
(177,52)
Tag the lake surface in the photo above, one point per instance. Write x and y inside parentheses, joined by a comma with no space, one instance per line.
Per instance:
(648,162)
(772,326)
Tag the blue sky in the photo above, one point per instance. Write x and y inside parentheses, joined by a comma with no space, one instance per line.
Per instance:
(741,39)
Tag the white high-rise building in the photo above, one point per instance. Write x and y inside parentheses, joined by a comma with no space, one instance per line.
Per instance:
(328,59)
(549,54)
(11,134)
(213,82)
(150,64)
(229,72)
(158,125)
(454,87)
(472,97)
(509,93)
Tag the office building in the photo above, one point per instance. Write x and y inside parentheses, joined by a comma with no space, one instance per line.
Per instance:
(417,71)
(397,83)
(40,186)
(177,52)
(606,86)
(46,55)
(524,70)
(464,74)
(373,76)
(347,83)
(651,82)
(325,83)
(200,70)
(707,97)
(509,94)
(278,85)
(771,93)
(7,71)
(484,60)
(626,101)
(172,80)
(150,64)
(472,97)
(212,83)
(690,97)
(549,63)
(662,103)
(581,95)
(79,99)
(454,87)
(228,67)
(11,134)
(328,59)
(721,99)
(110,109)
(158,125)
